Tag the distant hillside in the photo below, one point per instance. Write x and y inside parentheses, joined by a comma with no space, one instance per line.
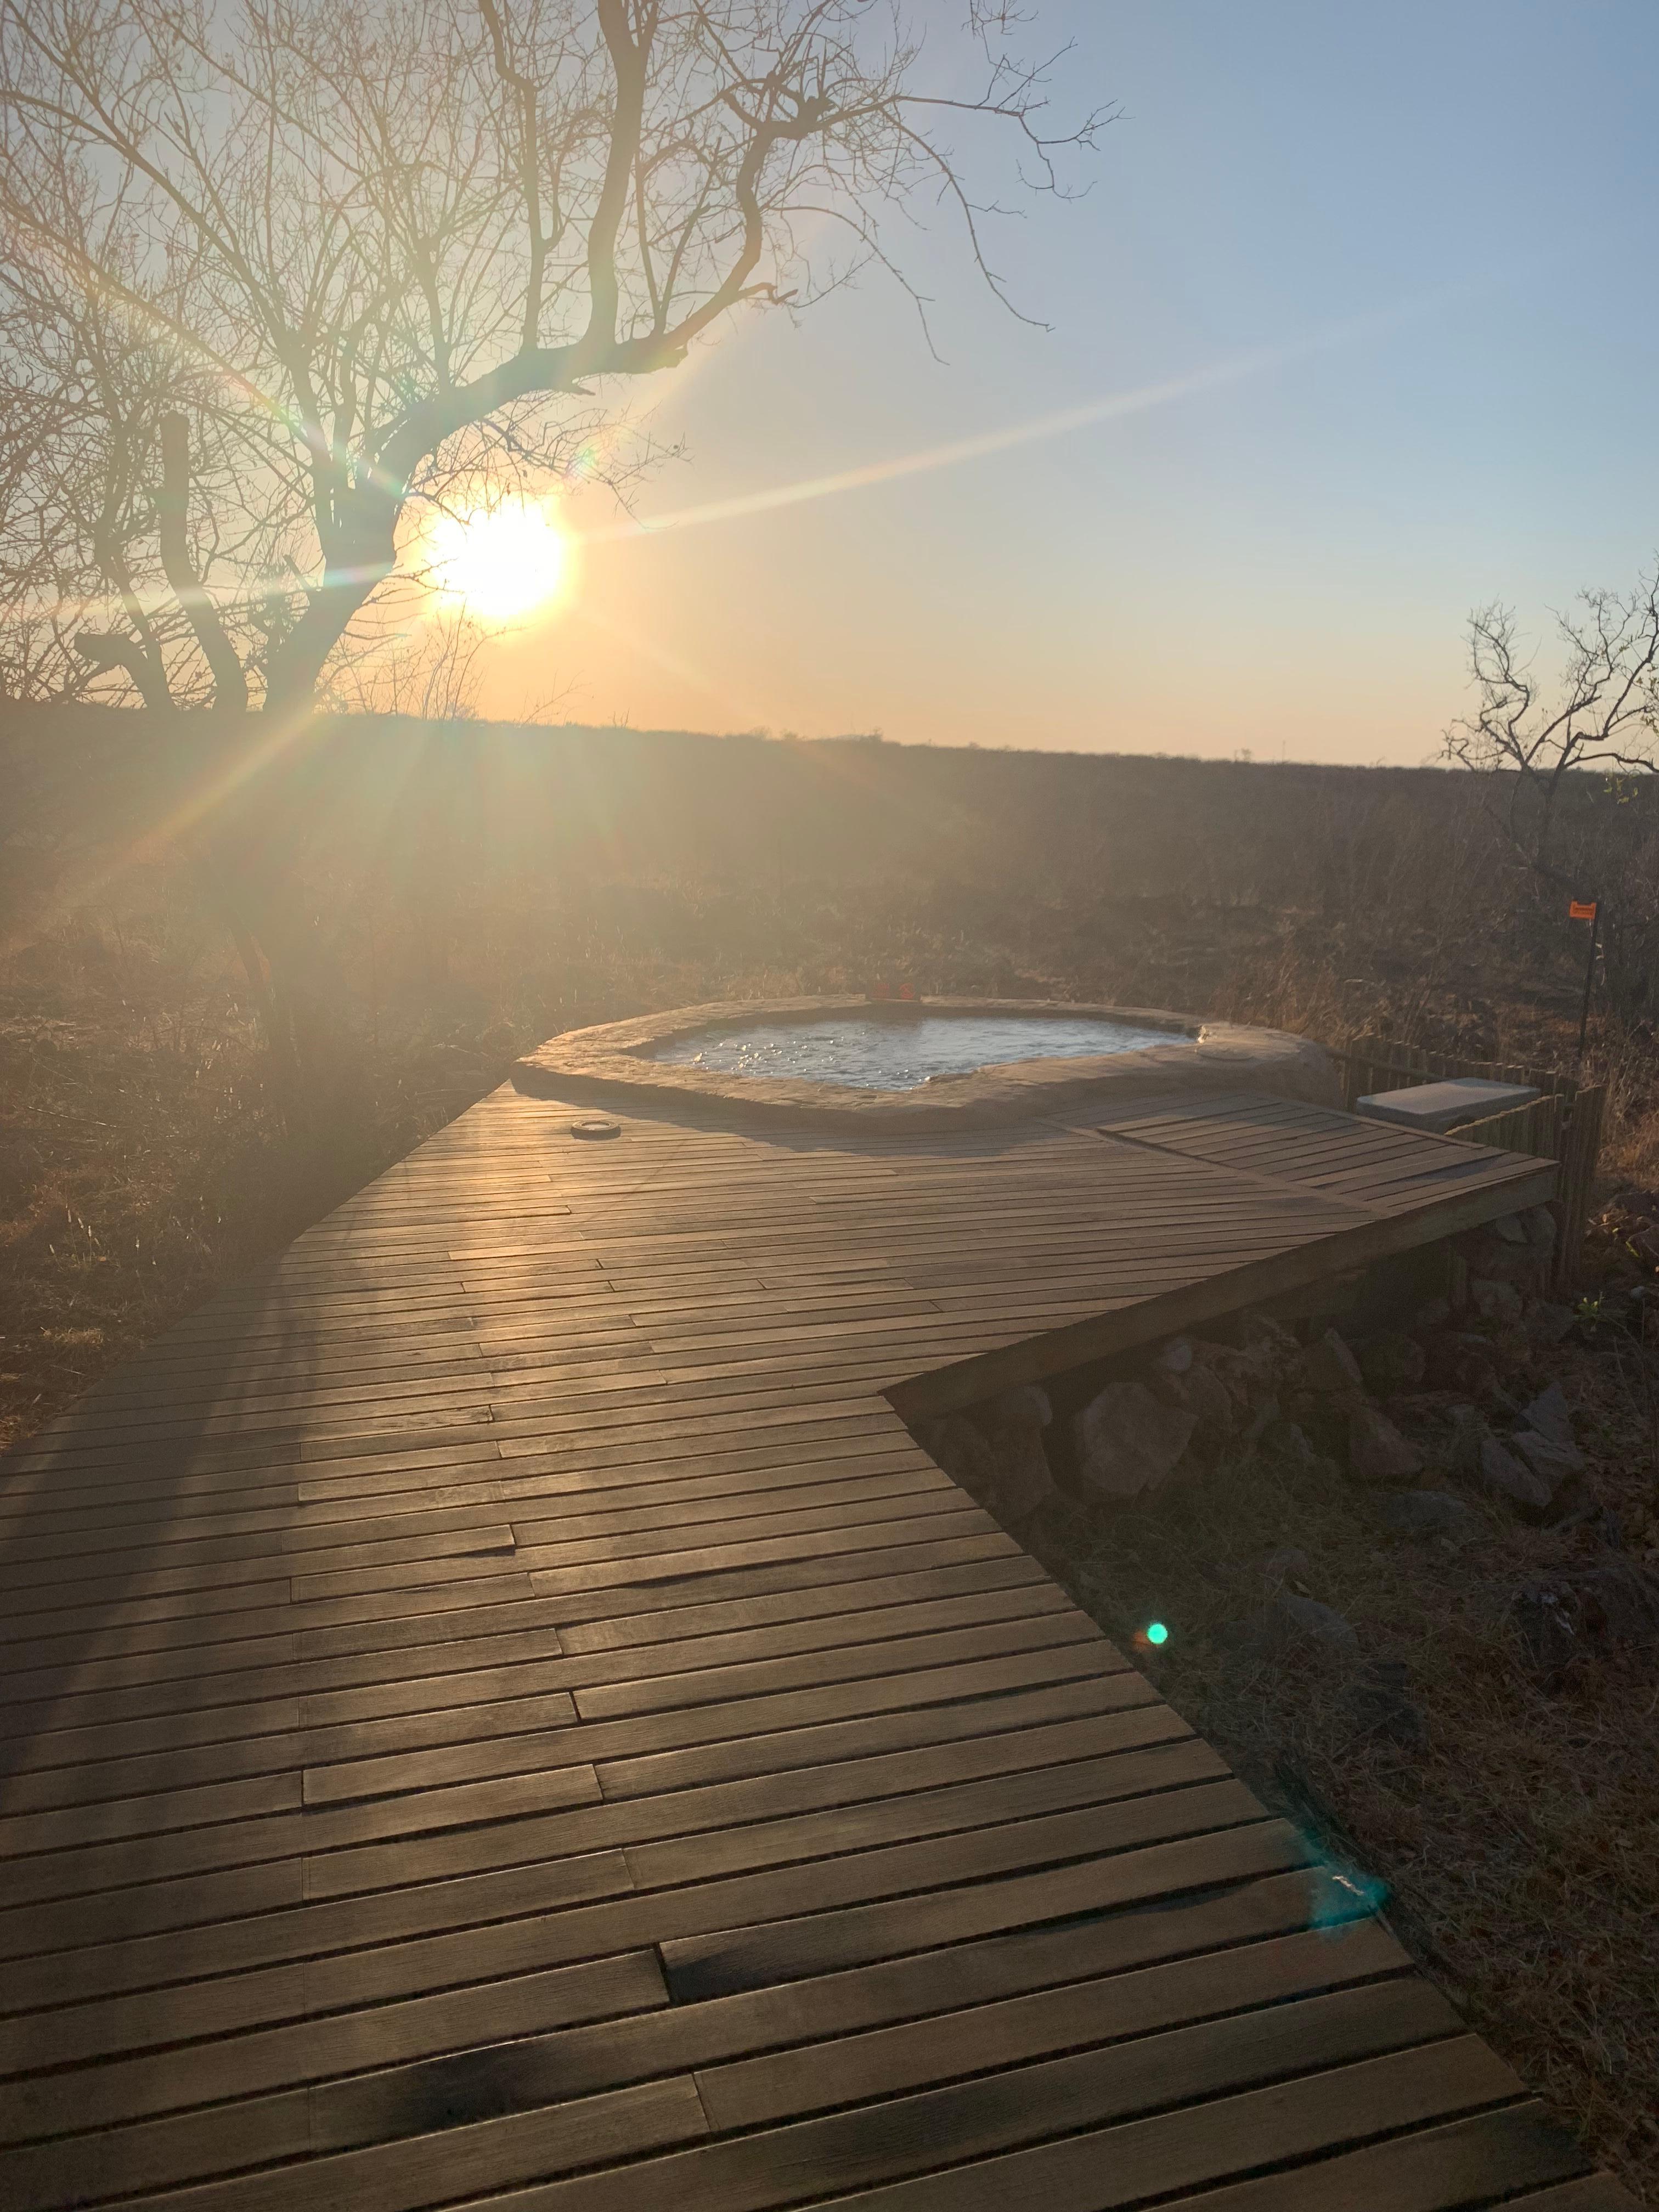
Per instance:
(634,804)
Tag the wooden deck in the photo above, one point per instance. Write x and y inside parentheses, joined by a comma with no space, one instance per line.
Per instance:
(497,1707)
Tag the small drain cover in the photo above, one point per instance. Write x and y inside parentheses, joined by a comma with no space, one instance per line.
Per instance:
(593,1125)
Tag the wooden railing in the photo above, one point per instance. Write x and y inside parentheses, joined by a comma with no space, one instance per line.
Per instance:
(1563,1125)
(1535,1129)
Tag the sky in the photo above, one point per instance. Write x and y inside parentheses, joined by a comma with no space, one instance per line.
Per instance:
(1382,280)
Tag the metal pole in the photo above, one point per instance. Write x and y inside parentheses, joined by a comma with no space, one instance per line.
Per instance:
(1590,981)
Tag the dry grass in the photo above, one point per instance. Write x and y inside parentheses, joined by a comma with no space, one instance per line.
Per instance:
(1517,1842)
(142,1159)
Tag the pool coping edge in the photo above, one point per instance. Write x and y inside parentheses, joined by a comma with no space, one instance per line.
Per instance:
(601,1066)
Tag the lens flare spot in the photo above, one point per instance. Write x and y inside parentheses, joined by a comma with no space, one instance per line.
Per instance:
(1338,1894)
(500,562)
(1156,1632)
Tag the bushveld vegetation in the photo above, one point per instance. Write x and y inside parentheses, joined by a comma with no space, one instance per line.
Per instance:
(467,889)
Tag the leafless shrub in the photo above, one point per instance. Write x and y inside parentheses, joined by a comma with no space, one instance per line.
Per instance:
(1567,759)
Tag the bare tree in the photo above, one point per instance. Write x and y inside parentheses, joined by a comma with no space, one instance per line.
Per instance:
(1567,759)
(280,276)
(433,672)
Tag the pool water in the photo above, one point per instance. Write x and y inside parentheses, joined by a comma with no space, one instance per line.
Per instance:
(898,1055)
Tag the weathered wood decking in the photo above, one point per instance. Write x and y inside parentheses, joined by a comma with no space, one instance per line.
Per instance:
(498,1707)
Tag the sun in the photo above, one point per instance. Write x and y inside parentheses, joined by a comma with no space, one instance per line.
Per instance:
(501,561)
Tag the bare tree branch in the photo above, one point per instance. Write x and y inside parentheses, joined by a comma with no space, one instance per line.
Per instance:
(172,507)
(372,252)
(1556,758)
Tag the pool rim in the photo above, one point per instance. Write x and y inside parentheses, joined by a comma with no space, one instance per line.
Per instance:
(602,1065)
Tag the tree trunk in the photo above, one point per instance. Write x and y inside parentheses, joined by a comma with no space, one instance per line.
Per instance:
(363,555)
(172,509)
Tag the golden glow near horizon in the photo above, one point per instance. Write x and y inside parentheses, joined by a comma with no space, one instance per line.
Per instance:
(502,562)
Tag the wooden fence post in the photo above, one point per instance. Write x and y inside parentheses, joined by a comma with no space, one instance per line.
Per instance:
(1571,1133)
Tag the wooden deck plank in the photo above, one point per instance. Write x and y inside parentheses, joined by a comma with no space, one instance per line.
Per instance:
(1100,2168)
(893,1756)
(545,2068)
(365,1986)
(429,2169)
(1437,2171)
(377,1894)
(870,2144)
(497,1704)
(621,1744)
(860,2070)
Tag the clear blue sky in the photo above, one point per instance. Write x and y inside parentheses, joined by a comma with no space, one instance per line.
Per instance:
(1443,214)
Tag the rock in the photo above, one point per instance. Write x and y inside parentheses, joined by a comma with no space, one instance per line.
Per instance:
(1551,1462)
(1418,1405)
(959,1447)
(1127,1442)
(1510,1478)
(1493,1258)
(1024,1481)
(1330,1367)
(1494,1301)
(1247,1376)
(1550,1414)
(1289,1443)
(1208,1399)
(1540,1227)
(1442,1351)
(1509,1226)
(1291,1617)
(1266,1359)
(1377,1450)
(1302,1405)
(1524,1272)
(1619,1601)
(1168,1389)
(1393,1364)
(1265,1417)
(1177,1356)
(1475,1373)
(1208,1354)
(1260,1330)
(1285,1564)
(1469,1433)
(1448,1353)
(1427,1513)
(1436,1314)
(1550,1324)
(1025,1407)
(1284,1620)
